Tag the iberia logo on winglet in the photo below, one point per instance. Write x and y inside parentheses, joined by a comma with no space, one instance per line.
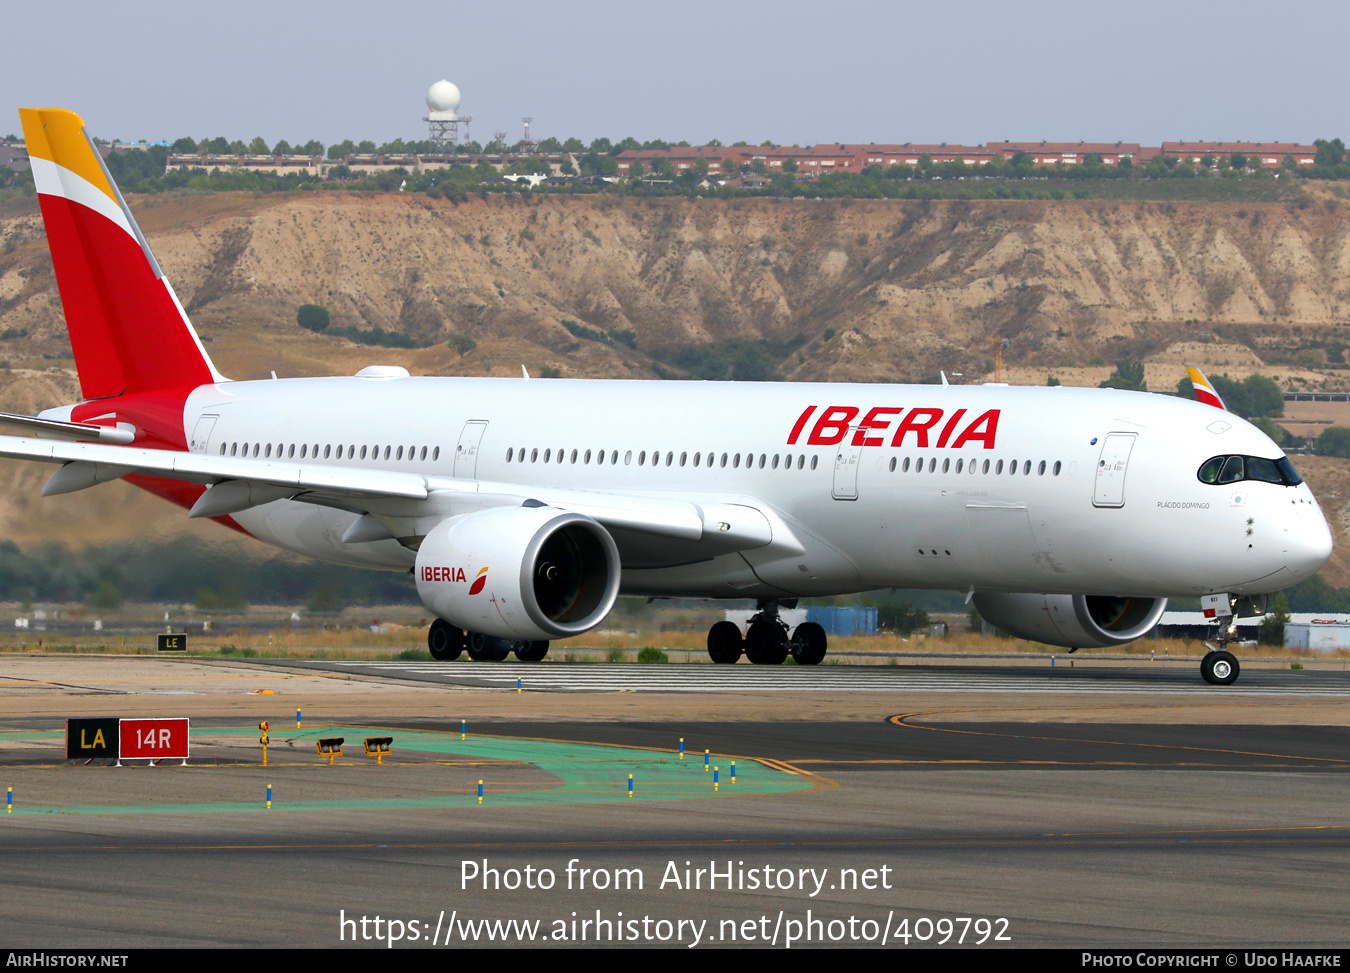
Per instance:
(478,582)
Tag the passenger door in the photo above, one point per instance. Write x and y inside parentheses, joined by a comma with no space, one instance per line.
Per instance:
(1109,490)
(466,453)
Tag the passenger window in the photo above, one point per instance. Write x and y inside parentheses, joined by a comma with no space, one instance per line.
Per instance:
(814,461)
(1056,469)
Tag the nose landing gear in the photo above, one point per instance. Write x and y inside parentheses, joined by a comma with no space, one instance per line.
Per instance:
(1220,667)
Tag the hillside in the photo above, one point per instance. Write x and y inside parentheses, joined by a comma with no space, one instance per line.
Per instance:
(841,290)
(869,290)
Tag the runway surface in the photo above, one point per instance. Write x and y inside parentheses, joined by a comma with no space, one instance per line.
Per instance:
(907,821)
(656,678)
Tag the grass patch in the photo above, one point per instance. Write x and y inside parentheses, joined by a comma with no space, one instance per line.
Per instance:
(651,654)
(413,655)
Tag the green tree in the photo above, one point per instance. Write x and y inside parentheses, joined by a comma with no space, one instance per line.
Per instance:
(258,146)
(312,317)
(1277,616)
(1331,153)
(185,145)
(462,343)
(1128,375)
(107,595)
(1334,441)
(790,165)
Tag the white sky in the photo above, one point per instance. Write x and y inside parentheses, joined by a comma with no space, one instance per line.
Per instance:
(797,73)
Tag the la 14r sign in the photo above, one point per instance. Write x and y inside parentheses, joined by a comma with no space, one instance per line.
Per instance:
(153,739)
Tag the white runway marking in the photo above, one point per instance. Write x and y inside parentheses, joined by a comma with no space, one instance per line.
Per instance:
(629,677)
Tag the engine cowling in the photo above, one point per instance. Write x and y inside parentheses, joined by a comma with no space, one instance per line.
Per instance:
(530,572)
(1073,621)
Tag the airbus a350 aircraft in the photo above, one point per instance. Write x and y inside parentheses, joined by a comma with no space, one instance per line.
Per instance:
(523,508)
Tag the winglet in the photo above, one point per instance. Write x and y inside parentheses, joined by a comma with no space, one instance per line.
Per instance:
(127,328)
(1204,391)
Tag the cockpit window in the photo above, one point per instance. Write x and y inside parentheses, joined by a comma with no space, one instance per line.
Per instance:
(1263,470)
(1233,469)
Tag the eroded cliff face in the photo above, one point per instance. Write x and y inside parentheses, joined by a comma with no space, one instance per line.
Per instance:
(901,288)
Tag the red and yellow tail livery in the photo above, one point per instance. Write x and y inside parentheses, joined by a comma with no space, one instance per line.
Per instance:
(127,328)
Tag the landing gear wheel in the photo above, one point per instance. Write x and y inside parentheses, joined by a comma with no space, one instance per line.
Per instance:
(488,648)
(808,644)
(1219,668)
(532,651)
(724,643)
(766,643)
(444,641)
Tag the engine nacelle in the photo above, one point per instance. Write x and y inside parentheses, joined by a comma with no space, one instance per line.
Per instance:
(530,572)
(1073,621)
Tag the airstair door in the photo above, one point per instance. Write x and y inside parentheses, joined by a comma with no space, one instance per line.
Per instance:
(466,453)
(1111,467)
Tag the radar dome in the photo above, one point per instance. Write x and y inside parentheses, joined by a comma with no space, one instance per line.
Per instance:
(443,96)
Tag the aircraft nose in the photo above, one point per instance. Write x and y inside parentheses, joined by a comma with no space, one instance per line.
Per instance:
(1308,540)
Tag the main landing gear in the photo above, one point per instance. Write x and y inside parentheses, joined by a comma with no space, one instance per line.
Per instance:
(766,641)
(447,643)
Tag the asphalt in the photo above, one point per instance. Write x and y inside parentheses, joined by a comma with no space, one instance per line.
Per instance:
(1102,818)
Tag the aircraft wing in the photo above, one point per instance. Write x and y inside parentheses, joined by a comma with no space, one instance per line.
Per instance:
(237,483)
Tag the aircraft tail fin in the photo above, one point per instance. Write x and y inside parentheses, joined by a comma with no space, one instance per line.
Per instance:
(127,327)
(1204,391)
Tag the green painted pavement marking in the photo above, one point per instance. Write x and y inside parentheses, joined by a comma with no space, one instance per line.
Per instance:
(587,774)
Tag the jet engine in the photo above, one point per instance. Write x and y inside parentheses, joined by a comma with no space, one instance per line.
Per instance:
(1073,621)
(531,572)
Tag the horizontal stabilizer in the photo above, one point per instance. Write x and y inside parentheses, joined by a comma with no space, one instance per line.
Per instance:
(89,432)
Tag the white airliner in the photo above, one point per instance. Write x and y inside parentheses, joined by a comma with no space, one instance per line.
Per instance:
(524,508)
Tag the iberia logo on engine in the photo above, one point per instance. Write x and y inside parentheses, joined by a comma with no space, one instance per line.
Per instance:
(437,573)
